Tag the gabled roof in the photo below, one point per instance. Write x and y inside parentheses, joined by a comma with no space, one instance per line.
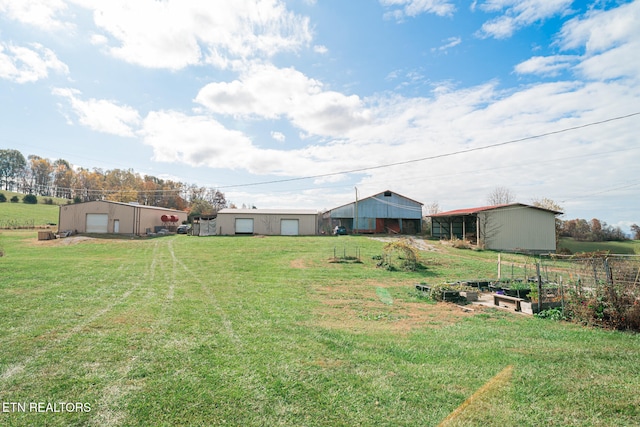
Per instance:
(374,197)
(473,211)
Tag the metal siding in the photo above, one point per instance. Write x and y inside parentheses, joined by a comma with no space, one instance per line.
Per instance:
(267,223)
(394,206)
(519,228)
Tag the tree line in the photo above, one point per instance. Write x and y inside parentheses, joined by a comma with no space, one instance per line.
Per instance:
(35,175)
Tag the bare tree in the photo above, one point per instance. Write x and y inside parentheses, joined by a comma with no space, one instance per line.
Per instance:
(501,196)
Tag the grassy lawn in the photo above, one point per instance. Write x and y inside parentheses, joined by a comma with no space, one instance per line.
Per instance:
(21,215)
(626,247)
(250,331)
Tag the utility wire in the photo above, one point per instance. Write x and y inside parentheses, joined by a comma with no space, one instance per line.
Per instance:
(437,156)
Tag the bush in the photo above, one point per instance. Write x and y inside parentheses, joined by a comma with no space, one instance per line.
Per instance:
(30,199)
(399,255)
(3,198)
(48,201)
(15,199)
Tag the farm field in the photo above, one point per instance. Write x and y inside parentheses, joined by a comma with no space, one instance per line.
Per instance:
(252,331)
(627,247)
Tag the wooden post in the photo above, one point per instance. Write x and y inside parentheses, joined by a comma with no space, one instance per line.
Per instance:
(539,287)
(499,267)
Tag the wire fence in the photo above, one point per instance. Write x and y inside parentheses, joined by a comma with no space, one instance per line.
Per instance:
(597,288)
(13,224)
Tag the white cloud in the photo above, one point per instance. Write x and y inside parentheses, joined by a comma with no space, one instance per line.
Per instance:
(175,34)
(448,44)
(517,14)
(601,30)
(101,115)
(21,64)
(320,49)
(43,14)
(546,65)
(610,41)
(264,91)
(278,136)
(416,7)
(203,141)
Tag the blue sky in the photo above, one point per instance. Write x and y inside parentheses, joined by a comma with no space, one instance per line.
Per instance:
(277,102)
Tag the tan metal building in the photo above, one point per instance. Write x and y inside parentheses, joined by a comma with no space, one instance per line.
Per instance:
(509,227)
(103,216)
(274,222)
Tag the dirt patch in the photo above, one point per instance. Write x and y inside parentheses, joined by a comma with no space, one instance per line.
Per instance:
(65,241)
(298,263)
(416,242)
(358,308)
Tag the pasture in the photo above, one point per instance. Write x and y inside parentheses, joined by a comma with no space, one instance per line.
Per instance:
(252,331)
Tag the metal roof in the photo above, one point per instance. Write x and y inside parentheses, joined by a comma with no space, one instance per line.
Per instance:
(473,211)
(269,211)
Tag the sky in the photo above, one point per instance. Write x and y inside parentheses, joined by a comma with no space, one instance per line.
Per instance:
(310,103)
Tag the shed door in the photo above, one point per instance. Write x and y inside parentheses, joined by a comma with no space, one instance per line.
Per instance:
(244,225)
(289,227)
(97,223)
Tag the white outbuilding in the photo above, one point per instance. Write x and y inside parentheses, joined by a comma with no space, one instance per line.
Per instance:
(512,227)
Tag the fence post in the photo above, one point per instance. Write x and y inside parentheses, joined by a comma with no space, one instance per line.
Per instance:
(539,287)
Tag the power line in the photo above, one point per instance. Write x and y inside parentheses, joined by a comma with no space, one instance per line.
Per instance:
(437,156)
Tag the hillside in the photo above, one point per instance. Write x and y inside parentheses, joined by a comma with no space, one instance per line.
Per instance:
(627,247)
(22,215)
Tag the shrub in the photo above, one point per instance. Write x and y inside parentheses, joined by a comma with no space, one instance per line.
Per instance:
(399,255)
(15,199)
(48,201)
(30,199)
(3,198)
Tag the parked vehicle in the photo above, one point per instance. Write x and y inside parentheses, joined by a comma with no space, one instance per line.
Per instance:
(183,229)
(340,230)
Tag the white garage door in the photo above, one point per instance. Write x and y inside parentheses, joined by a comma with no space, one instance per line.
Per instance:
(97,223)
(289,227)
(244,225)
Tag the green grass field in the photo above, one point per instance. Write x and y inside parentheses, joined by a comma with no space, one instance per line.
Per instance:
(251,331)
(22,215)
(626,247)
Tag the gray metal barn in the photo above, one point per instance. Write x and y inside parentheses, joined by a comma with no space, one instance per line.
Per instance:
(509,227)
(385,212)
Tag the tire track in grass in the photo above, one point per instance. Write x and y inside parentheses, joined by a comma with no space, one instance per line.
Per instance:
(248,379)
(226,322)
(110,412)
(19,367)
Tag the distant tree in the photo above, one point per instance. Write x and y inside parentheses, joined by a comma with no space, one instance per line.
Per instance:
(635,229)
(12,166)
(597,233)
(501,196)
(201,207)
(41,175)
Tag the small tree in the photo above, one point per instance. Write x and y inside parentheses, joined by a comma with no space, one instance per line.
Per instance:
(3,198)
(30,199)
(635,229)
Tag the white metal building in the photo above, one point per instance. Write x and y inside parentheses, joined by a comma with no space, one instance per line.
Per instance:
(284,222)
(509,227)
